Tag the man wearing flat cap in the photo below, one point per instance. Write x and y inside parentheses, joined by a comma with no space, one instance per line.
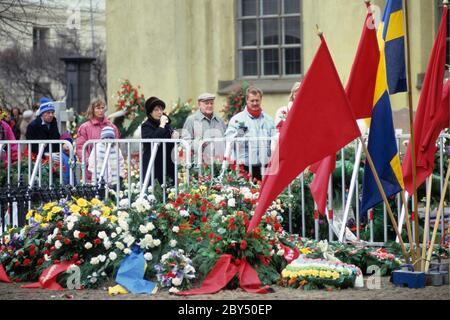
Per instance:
(44,127)
(204,124)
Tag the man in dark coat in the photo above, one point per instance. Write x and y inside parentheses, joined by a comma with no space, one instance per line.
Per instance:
(158,126)
(44,127)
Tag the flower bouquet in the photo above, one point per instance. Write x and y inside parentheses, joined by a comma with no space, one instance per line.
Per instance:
(175,271)
(319,274)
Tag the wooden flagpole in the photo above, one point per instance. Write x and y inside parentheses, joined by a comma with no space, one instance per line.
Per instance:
(411,126)
(427,222)
(386,202)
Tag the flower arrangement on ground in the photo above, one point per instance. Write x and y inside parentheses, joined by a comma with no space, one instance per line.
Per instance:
(175,271)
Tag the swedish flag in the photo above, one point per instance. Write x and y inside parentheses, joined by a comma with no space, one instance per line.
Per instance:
(382,143)
(394,50)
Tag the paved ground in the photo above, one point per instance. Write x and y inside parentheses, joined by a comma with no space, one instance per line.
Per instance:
(386,292)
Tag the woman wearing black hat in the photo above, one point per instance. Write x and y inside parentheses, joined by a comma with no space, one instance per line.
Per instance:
(158,126)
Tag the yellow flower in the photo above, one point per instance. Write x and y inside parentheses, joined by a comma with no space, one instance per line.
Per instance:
(49,216)
(106,211)
(56,210)
(82,202)
(113,219)
(49,205)
(29,214)
(305,250)
(96,202)
(38,218)
(203,188)
(74,208)
(44,225)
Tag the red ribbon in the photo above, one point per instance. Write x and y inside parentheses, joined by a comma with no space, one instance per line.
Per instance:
(3,275)
(223,272)
(47,280)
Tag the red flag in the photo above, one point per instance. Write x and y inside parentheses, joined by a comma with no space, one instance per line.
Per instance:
(3,275)
(320,123)
(361,84)
(319,187)
(432,113)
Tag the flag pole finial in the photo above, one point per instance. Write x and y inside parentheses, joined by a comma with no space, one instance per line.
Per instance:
(319,32)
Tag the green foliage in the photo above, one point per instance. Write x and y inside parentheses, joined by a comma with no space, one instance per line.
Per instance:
(179,113)
(235,101)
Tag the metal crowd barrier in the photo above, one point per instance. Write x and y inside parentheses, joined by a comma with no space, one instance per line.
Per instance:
(125,147)
(18,193)
(350,190)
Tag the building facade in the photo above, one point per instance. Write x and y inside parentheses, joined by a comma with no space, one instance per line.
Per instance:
(37,28)
(176,49)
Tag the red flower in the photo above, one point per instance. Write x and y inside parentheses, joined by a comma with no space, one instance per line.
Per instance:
(199,239)
(67,241)
(243,244)
(17,264)
(81,235)
(204,219)
(59,237)
(75,256)
(211,235)
(26,262)
(170,274)
(203,209)
(40,261)
(20,253)
(197,196)
(97,241)
(191,219)
(59,224)
(218,238)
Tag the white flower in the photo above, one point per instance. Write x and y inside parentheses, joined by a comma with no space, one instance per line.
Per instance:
(119,230)
(231,202)
(156,242)
(173,290)
(269,227)
(96,213)
(177,282)
(173,243)
(58,244)
(70,225)
(88,245)
(122,215)
(112,256)
(273,214)
(219,212)
(103,220)
(102,235)
(107,244)
(102,258)
(120,245)
(176,229)
(272,252)
(46,257)
(129,240)
(113,235)
(148,256)
(55,232)
(184,213)
(124,203)
(143,229)
(95,261)
(150,226)
(76,234)
(127,251)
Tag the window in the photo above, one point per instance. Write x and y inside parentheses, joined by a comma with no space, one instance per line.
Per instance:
(40,37)
(269,41)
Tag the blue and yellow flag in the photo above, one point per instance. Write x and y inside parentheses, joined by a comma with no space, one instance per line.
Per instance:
(382,144)
(394,49)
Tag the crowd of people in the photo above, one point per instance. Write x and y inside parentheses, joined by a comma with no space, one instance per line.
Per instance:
(206,123)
